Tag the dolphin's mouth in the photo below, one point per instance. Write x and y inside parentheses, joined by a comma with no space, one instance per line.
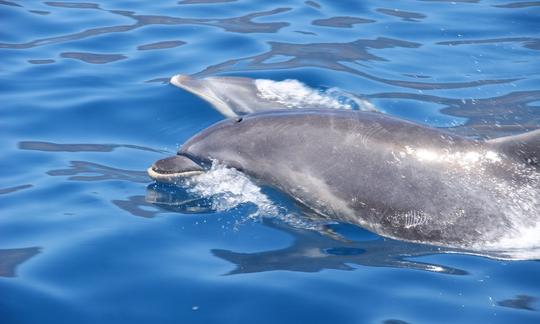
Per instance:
(174,168)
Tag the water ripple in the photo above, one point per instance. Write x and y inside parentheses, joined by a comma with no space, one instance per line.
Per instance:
(405,15)
(341,22)
(4,191)
(334,56)
(94,58)
(519,5)
(80,170)
(57,147)
(528,42)
(242,24)
(160,45)
(10,259)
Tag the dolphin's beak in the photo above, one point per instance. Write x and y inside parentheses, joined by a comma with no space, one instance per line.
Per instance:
(212,89)
(198,87)
(174,168)
(182,81)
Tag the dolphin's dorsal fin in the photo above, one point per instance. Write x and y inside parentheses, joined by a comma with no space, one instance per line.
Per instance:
(525,147)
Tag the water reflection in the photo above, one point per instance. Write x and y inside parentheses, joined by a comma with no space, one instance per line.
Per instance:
(78,5)
(519,302)
(9,3)
(204,1)
(528,42)
(94,58)
(405,15)
(486,117)
(341,22)
(313,4)
(313,252)
(344,57)
(11,258)
(513,5)
(170,197)
(5,191)
(45,61)
(58,147)
(242,24)
(161,45)
(394,321)
(162,198)
(79,170)
(137,206)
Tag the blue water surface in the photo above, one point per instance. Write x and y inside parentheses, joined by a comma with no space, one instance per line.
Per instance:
(86,107)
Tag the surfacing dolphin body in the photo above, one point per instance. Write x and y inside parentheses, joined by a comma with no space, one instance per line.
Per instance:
(236,96)
(390,176)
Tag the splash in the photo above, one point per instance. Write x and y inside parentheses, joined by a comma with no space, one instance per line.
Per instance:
(228,188)
(522,239)
(294,94)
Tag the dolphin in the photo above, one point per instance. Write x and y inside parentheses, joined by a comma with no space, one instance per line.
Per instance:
(393,177)
(235,96)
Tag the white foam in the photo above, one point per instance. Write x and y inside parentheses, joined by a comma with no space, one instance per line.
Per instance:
(294,94)
(228,188)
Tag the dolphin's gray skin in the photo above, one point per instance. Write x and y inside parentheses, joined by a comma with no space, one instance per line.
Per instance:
(390,176)
(236,96)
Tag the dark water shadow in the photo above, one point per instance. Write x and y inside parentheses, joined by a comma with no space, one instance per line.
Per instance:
(527,42)
(313,4)
(241,24)
(507,114)
(204,1)
(9,3)
(404,15)
(394,321)
(10,259)
(519,5)
(313,252)
(5,191)
(93,58)
(161,45)
(58,147)
(89,171)
(336,57)
(41,61)
(524,302)
(137,206)
(164,198)
(341,22)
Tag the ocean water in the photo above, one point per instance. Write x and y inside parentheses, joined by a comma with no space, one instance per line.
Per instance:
(86,107)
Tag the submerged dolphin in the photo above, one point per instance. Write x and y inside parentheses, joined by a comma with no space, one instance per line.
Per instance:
(390,176)
(235,96)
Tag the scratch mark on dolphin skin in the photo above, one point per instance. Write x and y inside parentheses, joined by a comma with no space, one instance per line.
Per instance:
(369,133)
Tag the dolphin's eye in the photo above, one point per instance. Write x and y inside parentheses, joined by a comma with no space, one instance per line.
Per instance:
(239,119)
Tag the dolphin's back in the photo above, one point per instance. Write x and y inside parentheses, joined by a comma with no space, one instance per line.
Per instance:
(391,176)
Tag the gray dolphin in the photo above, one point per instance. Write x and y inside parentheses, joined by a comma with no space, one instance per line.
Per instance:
(235,96)
(393,177)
